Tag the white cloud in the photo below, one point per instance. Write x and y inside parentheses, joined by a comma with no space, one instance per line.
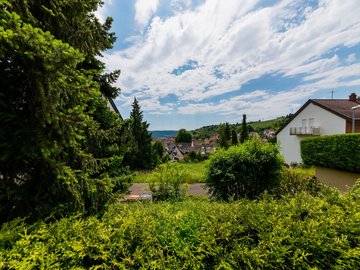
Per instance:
(180,5)
(244,42)
(144,10)
(351,58)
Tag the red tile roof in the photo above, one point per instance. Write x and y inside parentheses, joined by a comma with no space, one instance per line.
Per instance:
(340,107)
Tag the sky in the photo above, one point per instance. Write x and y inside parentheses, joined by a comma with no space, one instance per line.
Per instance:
(192,63)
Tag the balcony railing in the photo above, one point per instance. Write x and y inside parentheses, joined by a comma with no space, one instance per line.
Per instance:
(315,131)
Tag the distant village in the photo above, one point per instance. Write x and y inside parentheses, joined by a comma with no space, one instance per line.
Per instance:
(178,151)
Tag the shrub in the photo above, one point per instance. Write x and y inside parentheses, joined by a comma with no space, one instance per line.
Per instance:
(293,181)
(301,232)
(166,182)
(334,151)
(244,170)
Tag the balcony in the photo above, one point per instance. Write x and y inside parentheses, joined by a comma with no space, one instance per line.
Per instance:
(315,131)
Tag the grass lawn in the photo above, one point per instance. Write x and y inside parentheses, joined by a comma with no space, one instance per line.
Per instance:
(195,173)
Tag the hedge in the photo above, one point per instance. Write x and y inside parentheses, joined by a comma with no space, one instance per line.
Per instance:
(300,232)
(334,151)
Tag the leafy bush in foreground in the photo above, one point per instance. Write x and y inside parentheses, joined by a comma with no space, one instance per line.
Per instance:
(334,151)
(299,232)
(244,170)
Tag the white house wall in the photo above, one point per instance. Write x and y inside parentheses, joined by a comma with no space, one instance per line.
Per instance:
(328,122)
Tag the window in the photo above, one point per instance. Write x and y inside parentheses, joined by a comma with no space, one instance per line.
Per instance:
(303,123)
(311,122)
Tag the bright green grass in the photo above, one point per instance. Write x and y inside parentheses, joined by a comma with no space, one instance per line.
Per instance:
(305,171)
(195,173)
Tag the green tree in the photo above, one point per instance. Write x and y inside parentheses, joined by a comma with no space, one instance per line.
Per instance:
(234,139)
(60,146)
(244,135)
(224,135)
(183,136)
(159,155)
(139,155)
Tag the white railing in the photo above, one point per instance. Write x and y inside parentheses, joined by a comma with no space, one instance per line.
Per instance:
(305,131)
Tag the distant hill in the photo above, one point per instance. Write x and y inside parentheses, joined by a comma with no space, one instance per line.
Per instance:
(162,134)
(273,123)
(258,126)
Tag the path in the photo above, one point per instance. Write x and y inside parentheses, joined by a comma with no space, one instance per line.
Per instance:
(141,191)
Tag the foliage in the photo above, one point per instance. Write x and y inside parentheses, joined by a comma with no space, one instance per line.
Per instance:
(293,181)
(224,135)
(258,126)
(244,135)
(183,136)
(159,155)
(205,132)
(273,123)
(193,157)
(234,139)
(334,151)
(195,172)
(244,170)
(140,152)
(60,146)
(300,232)
(354,192)
(166,182)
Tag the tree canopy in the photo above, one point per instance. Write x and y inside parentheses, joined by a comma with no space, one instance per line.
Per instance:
(60,145)
(183,136)
(244,135)
(140,152)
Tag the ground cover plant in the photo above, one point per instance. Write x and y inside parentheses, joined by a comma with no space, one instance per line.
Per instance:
(293,232)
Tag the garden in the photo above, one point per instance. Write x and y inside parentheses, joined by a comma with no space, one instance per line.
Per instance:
(261,215)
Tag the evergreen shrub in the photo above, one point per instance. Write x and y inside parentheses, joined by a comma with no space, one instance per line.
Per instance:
(334,151)
(300,232)
(244,170)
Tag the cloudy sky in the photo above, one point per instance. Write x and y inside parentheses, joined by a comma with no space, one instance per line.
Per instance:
(192,63)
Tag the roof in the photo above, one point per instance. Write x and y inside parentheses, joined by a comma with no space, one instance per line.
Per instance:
(339,107)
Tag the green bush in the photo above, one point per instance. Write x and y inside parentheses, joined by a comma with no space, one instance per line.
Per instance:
(244,170)
(334,151)
(300,232)
(295,180)
(166,182)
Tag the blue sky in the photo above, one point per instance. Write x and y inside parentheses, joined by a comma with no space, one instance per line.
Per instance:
(192,63)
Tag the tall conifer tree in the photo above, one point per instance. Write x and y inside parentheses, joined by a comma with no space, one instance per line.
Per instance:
(140,154)
(60,146)
(244,130)
(234,139)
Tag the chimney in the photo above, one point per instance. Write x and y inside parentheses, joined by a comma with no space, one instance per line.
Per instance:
(352,97)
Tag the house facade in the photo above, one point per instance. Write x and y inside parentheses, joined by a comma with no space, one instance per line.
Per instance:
(317,117)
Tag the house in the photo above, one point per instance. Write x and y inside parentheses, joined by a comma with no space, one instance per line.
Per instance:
(317,117)
(269,133)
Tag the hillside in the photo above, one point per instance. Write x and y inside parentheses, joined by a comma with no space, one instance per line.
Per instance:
(258,126)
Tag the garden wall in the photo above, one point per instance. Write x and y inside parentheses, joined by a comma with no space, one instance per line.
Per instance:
(342,180)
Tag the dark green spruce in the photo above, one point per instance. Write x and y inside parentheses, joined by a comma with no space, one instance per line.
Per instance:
(61,148)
